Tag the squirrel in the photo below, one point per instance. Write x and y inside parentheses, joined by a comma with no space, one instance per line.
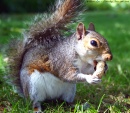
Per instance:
(47,65)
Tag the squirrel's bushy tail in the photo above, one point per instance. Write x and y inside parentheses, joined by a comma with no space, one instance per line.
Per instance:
(49,28)
(52,26)
(15,52)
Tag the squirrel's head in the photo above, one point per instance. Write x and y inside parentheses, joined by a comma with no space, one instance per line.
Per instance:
(91,45)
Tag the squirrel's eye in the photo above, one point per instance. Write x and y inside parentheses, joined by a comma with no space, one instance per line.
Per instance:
(94,43)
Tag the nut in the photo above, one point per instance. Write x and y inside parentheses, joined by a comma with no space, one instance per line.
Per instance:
(100,69)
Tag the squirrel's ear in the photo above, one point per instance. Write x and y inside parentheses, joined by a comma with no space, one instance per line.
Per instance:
(91,27)
(80,31)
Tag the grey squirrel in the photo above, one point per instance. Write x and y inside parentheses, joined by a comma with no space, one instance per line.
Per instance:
(45,65)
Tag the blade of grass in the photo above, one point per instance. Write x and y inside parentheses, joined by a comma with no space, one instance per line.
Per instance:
(100,103)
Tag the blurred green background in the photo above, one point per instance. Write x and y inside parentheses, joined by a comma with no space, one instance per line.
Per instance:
(25,6)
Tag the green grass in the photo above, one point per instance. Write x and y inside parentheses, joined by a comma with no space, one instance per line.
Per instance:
(111,96)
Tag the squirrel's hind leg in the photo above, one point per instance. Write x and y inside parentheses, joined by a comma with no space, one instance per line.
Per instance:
(37,107)
(32,85)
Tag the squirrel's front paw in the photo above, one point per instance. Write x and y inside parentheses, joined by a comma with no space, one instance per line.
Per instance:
(92,79)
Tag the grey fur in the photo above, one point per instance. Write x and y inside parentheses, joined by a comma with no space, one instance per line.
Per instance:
(37,39)
(45,49)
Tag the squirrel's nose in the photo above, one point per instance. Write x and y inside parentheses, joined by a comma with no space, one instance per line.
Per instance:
(107,57)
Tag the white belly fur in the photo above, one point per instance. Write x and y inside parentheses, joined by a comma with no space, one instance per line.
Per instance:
(47,86)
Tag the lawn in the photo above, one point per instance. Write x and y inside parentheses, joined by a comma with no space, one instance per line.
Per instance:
(110,96)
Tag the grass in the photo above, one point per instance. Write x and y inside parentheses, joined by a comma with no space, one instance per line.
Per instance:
(111,96)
